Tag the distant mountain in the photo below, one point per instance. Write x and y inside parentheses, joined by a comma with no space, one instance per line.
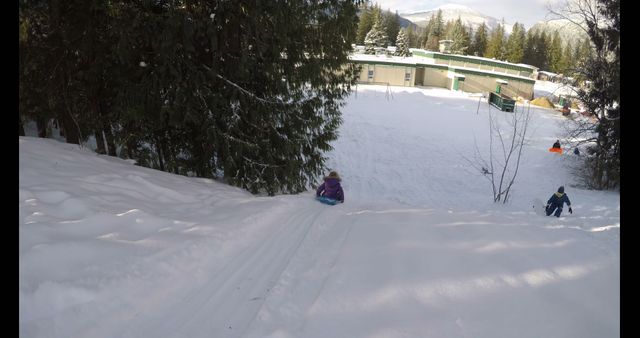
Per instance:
(468,16)
(405,23)
(568,31)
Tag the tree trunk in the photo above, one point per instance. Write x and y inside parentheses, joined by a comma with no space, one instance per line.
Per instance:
(41,123)
(131,147)
(160,154)
(111,144)
(173,167)
(100,142)
(71,131)
(59,126)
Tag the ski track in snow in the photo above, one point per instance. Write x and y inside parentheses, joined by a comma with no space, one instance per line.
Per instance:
(227,297)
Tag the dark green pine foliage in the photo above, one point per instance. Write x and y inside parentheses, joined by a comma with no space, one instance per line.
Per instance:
(377,36)
(163,102)
(412,37)
(287,84)
(554,53)
(541,51)
(567,62)
(391,25)
(233,89)
(583,50)
(448,30)
(424,35)
(535,51)
(602,97)
(496,44)
(461,38)
(62,64)
(479,45)
(34,52)
(365,22)
(528,56)
(516,44)
(434,31)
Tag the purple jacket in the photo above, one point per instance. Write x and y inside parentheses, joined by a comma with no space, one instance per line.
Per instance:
(331,188)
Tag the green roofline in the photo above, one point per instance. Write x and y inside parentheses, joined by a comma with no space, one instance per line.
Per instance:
(505,76)
(446,67)
(472,60)
(398,64)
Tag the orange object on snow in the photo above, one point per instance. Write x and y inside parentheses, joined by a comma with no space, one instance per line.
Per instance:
(556,150)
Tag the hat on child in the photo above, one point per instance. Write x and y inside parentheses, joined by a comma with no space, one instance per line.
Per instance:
(334,174)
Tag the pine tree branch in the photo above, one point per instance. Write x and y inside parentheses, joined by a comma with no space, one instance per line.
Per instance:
(244,90)
(261,164)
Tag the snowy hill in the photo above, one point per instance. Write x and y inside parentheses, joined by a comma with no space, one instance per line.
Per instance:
(468,16)
(569,32)
(418,249)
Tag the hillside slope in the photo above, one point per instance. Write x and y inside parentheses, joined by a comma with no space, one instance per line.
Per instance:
(109,249)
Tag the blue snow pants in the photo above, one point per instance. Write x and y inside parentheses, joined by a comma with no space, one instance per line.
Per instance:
(552,207)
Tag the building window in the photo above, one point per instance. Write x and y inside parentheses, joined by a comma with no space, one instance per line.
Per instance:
(370,74)
(407,76)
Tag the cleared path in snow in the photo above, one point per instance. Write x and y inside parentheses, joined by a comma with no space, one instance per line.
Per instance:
(428,273)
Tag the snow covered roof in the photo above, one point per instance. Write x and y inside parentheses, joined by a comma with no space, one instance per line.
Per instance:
(479,58)
(526,65)
(420,60)
(410,60)
(547,73)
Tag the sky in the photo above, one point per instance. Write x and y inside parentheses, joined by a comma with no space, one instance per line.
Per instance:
(418,249)
(526,12)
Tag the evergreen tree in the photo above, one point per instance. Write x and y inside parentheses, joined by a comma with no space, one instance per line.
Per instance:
(516,44)
(479,45)
(234,89)
(567,62)
(435,31)
(554,54)
(529,54)
(365,23)
(461,38)
(438,25)
(53,30)
(424,37)
(448,30)
(471,35)
(412,37)
(541,44)
(535,52)
(377,36)
(402,45)
(583,51)
(391,24)
(602,68)
(496,44)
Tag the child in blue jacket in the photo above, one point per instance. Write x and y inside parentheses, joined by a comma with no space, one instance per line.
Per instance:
(556,202)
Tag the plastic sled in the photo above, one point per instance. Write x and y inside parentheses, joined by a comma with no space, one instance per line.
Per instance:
(327,200)
(539,207)
(556,150)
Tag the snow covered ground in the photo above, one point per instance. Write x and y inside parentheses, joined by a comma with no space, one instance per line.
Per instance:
(552,89)
(418,249)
